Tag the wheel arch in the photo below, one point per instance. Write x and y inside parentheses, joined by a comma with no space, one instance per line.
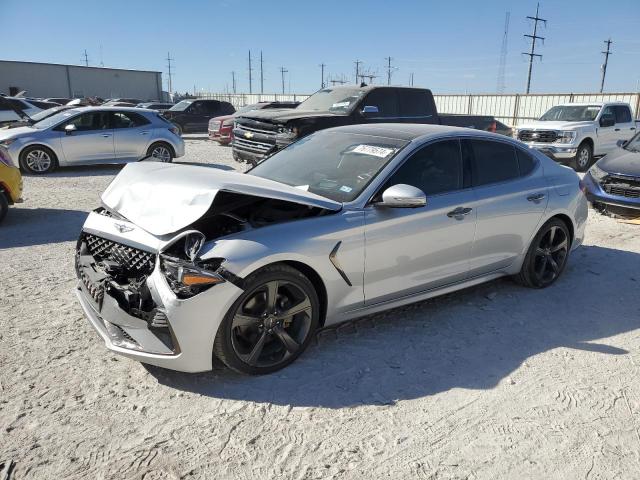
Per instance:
(163,142)
(588,140)
(56,154)
(566,219)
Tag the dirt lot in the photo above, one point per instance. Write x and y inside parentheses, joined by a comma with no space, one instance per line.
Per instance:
(493,382)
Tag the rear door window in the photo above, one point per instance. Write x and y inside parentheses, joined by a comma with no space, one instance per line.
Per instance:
(385,99)
(623,115)
(526,163)
(128,120)
(414,103)
(493,162)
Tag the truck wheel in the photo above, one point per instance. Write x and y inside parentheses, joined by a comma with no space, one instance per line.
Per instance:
(583,158)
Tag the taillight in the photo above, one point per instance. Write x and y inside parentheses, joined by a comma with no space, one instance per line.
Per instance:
(175,131)
(493,127)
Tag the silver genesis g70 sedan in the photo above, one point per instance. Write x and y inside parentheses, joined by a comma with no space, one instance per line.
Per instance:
(181,263)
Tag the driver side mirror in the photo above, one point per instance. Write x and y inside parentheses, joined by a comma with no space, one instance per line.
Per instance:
(403,196)
(621,143)
(369,109)
(607,121)
(69,129)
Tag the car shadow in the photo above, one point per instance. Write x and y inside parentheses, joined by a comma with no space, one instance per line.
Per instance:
(83,171)
(471,339)
(25,227)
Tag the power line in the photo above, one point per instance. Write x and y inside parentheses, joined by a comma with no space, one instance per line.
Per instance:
(503,55)
(282,72)
(533,38)
(322,65)
(169,73)
(261,75)
(368,75)
(358,63)
(250,78)
(606,61)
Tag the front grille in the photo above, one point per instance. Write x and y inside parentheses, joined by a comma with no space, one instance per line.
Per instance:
(251,145)
(622,191)
(130,258)
(540,136)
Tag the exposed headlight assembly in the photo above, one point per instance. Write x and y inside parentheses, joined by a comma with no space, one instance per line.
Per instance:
(566,136)
(597,173)
(7,142)
(188,279)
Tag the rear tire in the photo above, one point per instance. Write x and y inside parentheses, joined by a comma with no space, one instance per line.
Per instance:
(38,160)
(547,255)
(4,206)
(160,152)
(583,158)
(257,336)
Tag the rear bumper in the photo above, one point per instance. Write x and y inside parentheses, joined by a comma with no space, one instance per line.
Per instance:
(595,194)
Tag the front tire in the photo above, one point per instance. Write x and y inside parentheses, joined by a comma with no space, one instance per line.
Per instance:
(271,323)
(547,255)
(38,160)
(160,152)
(584,157)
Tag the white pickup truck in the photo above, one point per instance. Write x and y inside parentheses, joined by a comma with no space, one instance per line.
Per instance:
(575,133)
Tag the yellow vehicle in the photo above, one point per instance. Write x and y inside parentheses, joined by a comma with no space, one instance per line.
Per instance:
(10,184)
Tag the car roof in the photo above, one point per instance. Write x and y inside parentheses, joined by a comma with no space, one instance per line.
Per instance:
(411,131)
(112,109)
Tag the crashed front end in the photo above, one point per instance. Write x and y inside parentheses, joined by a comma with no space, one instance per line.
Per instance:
(145,302)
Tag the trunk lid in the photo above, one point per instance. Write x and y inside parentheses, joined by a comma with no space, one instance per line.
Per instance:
(163,198)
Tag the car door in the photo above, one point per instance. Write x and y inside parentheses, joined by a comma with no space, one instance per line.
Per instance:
(131,135)
(409,250)
(511,196)
(211,109)
(91,141)
(385,100)
(625,126)
(607,134)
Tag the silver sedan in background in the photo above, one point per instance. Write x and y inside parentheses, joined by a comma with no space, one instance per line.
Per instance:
(92,135)
(185,262)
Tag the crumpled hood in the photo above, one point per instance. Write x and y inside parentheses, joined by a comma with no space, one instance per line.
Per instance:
(17,132)
(285,114)
(553,125)
(621,161)
(163,198)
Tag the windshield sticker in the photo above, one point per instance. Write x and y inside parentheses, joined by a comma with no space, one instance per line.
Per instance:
(381,152)
(345,189)
(340,104)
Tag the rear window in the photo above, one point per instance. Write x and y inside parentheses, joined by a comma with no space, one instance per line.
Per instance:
(414,103)
(493,162)
(623,115)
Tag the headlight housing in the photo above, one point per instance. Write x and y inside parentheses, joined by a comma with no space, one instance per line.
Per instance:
(566,136)
(597,173)
(7,142)
(187,279)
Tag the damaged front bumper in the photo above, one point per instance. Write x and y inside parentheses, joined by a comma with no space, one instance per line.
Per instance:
(148,322)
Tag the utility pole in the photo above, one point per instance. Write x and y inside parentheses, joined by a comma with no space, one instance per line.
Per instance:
(250,70)
(169,73)
(411,79)
(606,61)
(101,62)
(533,38)
(368,75)
(358,63)
(233,81)
(388,59)
(261,75)
(322,65)
(282,72)
(86,58)
(503,55)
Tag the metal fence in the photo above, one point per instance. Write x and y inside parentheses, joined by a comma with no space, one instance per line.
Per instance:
(510,109)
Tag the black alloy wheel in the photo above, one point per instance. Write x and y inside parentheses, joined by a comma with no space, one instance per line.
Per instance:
(547,255)
(271,323)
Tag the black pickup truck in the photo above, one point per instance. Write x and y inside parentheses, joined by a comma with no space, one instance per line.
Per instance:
(261,132)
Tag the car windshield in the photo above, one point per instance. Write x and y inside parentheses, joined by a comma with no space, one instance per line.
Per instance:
(181,106)
(334,165)
(55,119)
(633,145)
(335,100)
(572,113)
(36,117)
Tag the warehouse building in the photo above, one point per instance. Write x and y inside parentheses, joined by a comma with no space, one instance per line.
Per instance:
(45,80)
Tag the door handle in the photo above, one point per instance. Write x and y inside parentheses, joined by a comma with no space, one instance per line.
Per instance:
(106,135)
(146,132)
(617,130)
(632,128)
(536,198)
(459,213)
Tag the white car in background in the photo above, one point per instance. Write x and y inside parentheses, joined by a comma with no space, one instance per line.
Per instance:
(575,133)
(13,109)
(92,135)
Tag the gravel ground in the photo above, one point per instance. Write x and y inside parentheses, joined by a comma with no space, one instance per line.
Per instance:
(494,382)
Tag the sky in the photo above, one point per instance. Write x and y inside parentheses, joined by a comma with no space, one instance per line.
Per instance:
(449,46)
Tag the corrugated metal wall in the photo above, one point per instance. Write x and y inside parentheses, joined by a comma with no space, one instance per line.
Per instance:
(509,109)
